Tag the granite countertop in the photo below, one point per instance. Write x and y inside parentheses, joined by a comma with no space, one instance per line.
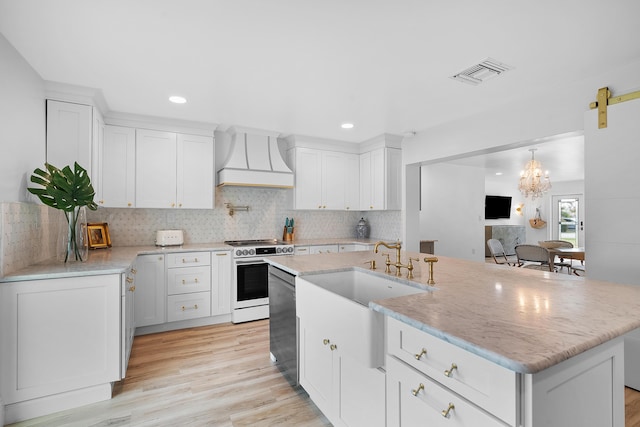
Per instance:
(101,261)
(524,320)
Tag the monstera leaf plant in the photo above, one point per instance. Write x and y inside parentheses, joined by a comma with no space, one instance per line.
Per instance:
(67,190)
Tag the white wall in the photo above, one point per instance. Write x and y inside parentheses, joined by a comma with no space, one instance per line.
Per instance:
(552,112)
(453,210)
(22,123)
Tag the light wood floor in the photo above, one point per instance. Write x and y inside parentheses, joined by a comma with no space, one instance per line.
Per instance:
(211,376)
(217,375)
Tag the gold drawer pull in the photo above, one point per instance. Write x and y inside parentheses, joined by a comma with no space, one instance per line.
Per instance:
(129,280)
(445,412)
(134,271)
(417,390)
(184,282)
(196,280)
(333,347)
(449,372)
(422,353)
(195,307)
(184,261)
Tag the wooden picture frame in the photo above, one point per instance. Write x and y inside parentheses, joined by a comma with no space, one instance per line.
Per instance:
(98,235)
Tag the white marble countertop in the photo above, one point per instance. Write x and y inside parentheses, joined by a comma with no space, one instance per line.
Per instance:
(335,241)
(524,320)
(101,261)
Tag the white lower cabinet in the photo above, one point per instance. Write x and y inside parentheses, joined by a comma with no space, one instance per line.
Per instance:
(354,247)
(128,321)
(432,382)
(188,306)
(415,399)
(188,285)
(348,393)
(323,249)
(61,343)
(151,292)
(301,250)
(221,266)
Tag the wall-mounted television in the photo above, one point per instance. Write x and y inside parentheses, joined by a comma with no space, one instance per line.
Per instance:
(497,207)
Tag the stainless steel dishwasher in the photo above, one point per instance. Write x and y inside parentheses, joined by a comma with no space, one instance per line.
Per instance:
(283,323)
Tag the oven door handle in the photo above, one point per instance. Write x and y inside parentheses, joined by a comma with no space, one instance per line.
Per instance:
(248,262)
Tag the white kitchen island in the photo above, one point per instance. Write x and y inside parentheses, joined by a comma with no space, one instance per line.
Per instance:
(499,346)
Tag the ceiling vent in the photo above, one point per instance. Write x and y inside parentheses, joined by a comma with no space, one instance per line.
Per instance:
(485,70)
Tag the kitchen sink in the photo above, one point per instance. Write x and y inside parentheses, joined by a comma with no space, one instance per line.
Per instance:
(361,286)
(336,303)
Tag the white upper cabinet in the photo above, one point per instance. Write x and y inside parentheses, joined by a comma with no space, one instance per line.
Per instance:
(195,176)
(173,170)
(380,179)
(69,134)
(156,169)
(117,168)
(325,179)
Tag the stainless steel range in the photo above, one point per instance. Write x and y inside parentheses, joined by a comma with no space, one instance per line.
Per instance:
(250,292)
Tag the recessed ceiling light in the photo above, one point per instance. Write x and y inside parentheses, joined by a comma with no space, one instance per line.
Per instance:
(498,173)
(177,99)
(347,126)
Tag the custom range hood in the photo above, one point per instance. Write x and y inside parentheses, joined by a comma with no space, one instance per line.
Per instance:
(252,159)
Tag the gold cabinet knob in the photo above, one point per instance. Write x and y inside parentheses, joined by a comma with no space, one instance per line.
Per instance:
(173,205)
(129,280)
(415,391)
(101,202)
(134,271)
(180,205)
(129,204)
(325,341)
(184,282)
(132,289)
(333,347)
(449,372)
(370,207)
(422,353)
(445,412)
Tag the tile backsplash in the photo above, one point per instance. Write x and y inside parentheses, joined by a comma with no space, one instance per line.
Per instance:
(28,231)
(28,234)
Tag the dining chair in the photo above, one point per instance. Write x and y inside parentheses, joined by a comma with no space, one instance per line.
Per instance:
(497,252)
(533,256)
(561,263)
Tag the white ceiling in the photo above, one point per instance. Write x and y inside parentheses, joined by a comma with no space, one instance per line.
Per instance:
(562,156)
(304,67)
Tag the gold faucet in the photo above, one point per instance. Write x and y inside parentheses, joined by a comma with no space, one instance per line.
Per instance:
(398,265)
(430,260)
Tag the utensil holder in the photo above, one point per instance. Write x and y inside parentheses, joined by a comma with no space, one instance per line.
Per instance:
(286,236)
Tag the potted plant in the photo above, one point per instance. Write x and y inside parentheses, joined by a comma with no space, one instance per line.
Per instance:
(68,191)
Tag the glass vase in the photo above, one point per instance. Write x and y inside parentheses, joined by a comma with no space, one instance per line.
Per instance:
(73,245)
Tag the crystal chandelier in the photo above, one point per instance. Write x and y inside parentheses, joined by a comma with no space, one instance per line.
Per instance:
(532,181)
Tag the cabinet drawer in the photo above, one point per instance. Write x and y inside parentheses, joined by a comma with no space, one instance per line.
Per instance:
(485,383)
(188,306)
(323,249)
(185,280)
(415,399)
(188,259)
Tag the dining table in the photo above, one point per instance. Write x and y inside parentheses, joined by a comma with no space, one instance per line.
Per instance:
(575,253)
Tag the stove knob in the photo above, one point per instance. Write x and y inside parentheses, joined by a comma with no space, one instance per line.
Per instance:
(252,251)
(245,252)
(279,250)
(290,249)
(238,252)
